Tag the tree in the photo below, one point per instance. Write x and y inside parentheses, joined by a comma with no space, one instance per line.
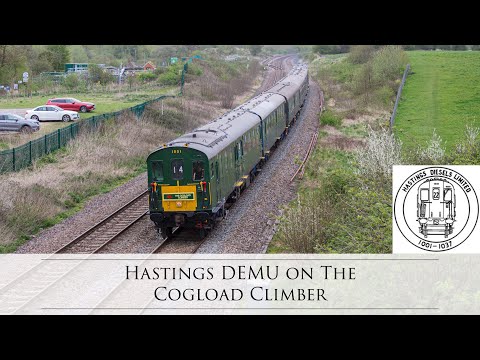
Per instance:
(97,74)
(255,49)
(13,60)
(58,55)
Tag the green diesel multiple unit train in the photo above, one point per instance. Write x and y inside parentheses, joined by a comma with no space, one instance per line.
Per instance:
(192,177)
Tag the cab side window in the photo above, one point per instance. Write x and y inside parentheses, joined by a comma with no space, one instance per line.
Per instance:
(198,171)
(157,170)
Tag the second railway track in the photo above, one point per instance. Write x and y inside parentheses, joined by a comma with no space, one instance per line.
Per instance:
(97,237)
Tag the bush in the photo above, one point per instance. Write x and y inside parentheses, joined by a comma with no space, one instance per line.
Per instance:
(467,152)
(433,153)
(329,118)
(169,78)
(361,54)
(388,64)
(147,76)
(381,152)
(194,69)
(72,81)
(384,96)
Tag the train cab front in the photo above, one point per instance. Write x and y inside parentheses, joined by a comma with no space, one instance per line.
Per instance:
(179,189)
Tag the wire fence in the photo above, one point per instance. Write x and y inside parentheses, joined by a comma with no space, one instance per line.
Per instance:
(22,156)
(399,93)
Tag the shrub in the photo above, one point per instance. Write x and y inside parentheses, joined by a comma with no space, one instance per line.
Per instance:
(329,118)
(388,64)
(361,54)
(147,76)
(467,152)
(433,153)
(381,152)
(170,78)
(72,81)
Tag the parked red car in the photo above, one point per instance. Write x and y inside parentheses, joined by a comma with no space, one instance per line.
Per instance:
(72,104)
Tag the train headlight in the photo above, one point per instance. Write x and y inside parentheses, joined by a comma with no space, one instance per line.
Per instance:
(449,221)
(179,204)
(422,221)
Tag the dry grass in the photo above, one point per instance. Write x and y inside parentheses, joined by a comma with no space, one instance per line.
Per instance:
(30,199)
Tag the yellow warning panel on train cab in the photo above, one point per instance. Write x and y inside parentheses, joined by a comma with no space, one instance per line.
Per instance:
(179,198)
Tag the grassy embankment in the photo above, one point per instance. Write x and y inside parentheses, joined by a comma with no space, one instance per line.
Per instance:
(59,185)
(442,93)
(344,200)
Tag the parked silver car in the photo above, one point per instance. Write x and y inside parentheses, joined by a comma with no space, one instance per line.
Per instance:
(13,122)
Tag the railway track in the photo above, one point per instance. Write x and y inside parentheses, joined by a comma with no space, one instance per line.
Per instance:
(97,237)
(182,237)
(280,66)
(301,169)
(15,297)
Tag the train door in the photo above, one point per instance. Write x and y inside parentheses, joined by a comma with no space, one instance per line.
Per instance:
(238,155)
(217,179)
(260,135)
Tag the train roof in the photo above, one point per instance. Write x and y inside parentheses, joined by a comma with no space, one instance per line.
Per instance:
(213,137)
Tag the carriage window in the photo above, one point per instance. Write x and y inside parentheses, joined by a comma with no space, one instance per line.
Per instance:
(198,171)
(424,195)
(177,169)
(436,193)
(157,170)
(447,195)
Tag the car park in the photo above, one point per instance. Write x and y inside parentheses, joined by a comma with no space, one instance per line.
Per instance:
(13,122)
(51,113)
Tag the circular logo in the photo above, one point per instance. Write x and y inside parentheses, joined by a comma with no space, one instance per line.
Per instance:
(436,208)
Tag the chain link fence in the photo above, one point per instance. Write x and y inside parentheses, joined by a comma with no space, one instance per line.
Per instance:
(22,156)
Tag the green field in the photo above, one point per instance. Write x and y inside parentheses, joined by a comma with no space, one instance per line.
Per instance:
(104,102)
(443,93)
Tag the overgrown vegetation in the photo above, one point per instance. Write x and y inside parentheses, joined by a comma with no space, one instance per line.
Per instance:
(344,206)
(368,76)
(344,202)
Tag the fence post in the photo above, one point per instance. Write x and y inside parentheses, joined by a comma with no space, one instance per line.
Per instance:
(58,132)
(13,159)
(30,144)
(392,118)
(45,148)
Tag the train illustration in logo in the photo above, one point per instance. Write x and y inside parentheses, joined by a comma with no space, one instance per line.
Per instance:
(436,207)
